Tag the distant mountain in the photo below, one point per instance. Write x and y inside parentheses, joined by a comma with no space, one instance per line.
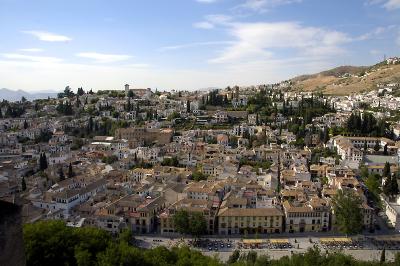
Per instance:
(11,95)
(345,80)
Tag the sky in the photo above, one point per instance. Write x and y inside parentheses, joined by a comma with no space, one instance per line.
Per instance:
(187,44)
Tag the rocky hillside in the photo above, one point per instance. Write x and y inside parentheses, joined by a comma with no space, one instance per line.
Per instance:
(346,80)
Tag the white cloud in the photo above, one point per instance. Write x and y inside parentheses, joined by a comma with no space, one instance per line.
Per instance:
(374,33)
(218,18)
(387,4)
(29,75)
(31,50)
(194,44)
(104,58)
(203,25)
(211,20)
(262,39)
(39,59)
(48,36)
(392,4)
(375,52)
(263,5)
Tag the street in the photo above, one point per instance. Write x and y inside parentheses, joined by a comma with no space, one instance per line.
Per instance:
(365,248)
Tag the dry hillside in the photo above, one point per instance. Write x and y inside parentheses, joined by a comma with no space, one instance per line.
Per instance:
(346,80)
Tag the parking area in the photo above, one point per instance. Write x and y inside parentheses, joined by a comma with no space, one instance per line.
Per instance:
(212,245)
(341,243)
(360,247)
(264,244)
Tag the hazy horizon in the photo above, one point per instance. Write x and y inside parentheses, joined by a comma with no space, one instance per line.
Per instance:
(190,44)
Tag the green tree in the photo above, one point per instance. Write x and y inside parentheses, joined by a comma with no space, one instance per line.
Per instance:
(395,186)
(70,171)
(188,106)
(377,146)
(49,243)
(82,257)
(387,186)
(197,224)
(23,184)
(347,209)
(43,162)
(234,257)
(397,258)
(80,91)
(251,257)
(383,256)
(263,260)
(326,136)
(373,183)
(386,170)
(190,223)
(198,176)
(126,236)
(181,221)
(61,175)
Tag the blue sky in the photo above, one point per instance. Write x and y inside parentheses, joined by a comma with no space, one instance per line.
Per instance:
(187,44)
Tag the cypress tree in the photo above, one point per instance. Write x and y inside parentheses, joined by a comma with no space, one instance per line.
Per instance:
(385,151)
(394,186)
(386,170)
(377,146)
(44,161)
(70,171)
(61,174)
(383,256)
(23,184)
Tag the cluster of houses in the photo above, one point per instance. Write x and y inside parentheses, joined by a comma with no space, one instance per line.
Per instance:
(138,176)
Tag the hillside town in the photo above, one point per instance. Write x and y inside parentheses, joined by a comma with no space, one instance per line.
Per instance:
(238,161)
